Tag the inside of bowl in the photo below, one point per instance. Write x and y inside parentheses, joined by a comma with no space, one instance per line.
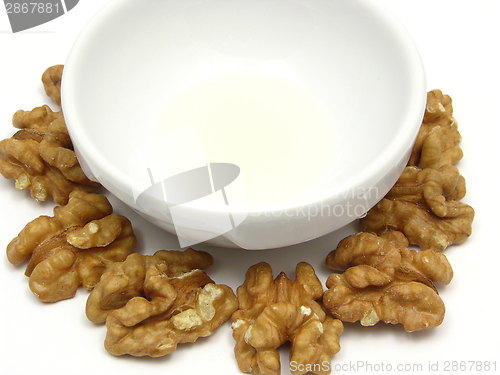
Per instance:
(339,72)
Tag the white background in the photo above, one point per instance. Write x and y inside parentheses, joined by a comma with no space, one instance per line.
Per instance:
(459,42)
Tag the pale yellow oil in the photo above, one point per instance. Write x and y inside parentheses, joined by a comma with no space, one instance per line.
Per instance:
(280,135)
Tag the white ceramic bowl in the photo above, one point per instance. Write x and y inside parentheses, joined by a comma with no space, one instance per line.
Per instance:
(134,58)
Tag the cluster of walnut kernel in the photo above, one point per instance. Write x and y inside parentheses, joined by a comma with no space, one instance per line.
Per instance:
(425,202)
(384,280)
(149,303)
(152,303)
(40,156)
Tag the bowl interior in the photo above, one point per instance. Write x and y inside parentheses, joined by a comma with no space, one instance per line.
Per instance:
(135,64)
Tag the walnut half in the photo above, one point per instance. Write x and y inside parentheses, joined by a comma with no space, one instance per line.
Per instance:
(438,141)
(424,204)
(272,312)
(51,80)
(384,280)
(40,157)
(72,248)
(153,303)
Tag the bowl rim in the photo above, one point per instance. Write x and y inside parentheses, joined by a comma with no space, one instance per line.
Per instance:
(379,166)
